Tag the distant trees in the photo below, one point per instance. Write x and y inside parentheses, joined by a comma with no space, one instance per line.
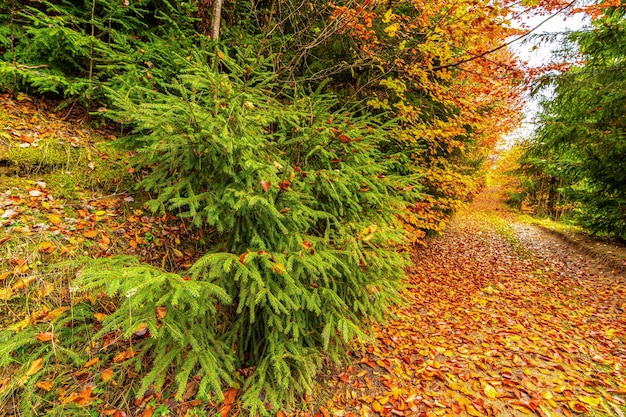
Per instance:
(576,163)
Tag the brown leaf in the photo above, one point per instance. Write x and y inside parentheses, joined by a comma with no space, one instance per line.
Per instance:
(45,336)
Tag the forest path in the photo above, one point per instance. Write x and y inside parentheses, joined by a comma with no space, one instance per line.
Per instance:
(503,319)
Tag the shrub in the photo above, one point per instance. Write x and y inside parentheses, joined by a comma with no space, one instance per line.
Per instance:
(294,194)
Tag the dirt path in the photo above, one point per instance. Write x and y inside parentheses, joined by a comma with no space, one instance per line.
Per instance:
(503,320)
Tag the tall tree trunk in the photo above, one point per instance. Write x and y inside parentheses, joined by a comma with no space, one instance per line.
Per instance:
(217,17)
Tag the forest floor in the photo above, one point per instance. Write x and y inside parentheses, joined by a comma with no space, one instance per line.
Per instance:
(503,318)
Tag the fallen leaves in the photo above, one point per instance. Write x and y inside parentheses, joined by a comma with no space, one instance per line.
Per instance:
(34,367)
(45,336)
(486,334)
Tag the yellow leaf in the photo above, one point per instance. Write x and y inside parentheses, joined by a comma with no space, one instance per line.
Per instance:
(45,290)
(376,406)
(490,391)
(34,367)
(5,293)
(51,316)
(548,395)
(387,16)
(55,219)
(520,408)
(473,412)
(21,325)
(547,412)
(392,29)
(592,401)
(23,283)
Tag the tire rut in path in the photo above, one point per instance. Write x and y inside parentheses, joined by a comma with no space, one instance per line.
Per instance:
(496,328)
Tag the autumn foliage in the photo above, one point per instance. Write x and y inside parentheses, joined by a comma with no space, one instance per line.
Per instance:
(300,152)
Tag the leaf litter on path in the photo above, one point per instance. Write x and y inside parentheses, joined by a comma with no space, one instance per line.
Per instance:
(495,326)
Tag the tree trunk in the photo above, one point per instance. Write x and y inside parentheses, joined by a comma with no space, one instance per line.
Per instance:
(217,17)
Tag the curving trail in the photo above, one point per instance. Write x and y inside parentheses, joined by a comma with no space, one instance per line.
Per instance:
(503,320)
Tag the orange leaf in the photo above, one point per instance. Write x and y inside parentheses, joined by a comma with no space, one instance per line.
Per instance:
(224,410)
(91,362)
(100,316)
(4,275)
(577,407)
(47,247)
(147,412)
(45,336)
(34,367)
(265,185)
(44,385)
(161,312)
(90,234)
(122,356)
(106,375)
(229,396)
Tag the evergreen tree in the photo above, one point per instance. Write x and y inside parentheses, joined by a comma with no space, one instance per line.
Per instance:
(581,141)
